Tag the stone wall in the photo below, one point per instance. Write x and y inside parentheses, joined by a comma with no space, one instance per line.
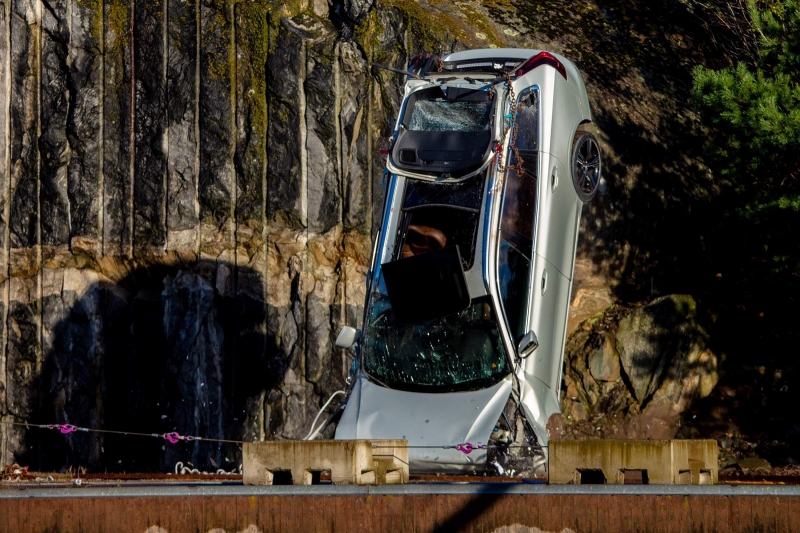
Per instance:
(188,191)
(186,195)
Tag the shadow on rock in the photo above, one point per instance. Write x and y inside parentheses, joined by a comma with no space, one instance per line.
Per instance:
(166,349)
(652,222)
(633,372)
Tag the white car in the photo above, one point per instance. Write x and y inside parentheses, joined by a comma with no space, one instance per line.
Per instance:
(461,350)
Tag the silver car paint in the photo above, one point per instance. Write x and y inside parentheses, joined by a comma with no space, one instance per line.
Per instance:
(562,110)
(433,423)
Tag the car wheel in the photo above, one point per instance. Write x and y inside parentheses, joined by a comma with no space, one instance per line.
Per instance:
(586,165)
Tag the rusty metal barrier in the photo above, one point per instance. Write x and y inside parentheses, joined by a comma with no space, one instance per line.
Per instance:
(490,508)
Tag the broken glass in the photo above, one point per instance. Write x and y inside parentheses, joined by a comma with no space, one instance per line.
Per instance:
(462,351)
(445,115)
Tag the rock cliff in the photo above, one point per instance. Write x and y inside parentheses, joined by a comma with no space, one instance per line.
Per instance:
(632,372)
(187,197)
(188,191)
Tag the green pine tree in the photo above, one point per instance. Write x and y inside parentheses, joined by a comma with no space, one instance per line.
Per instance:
(752,114)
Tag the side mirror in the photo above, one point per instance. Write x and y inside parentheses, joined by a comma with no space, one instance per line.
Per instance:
(527,345)
(348,337)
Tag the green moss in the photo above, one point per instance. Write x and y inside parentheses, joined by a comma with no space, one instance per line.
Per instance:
(429,29)
(222,60)
(505,5)
(479,21)
(325,57)
(119,22)
(254,22)
(435,26)
(595,318)
(221,6)
(282,9)
(368,31)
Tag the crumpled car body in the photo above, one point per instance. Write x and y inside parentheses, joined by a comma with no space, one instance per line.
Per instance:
(461,346)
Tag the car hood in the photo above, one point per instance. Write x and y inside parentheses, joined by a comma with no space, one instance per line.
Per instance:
(430,422)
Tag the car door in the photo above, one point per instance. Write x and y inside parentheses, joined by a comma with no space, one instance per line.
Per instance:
(554,254)
(539,195)
(558,214)
(531,287)
(559,206)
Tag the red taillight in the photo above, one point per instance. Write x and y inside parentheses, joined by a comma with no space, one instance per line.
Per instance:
(542,58)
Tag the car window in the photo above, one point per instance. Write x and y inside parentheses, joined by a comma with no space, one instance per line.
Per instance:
(517,221)
(444,115)
(451,210)
(467,194)
(458,352)
(528,123)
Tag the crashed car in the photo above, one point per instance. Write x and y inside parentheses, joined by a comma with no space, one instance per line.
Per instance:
(461,348)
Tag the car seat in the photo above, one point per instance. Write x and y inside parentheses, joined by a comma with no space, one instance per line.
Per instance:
(422,239)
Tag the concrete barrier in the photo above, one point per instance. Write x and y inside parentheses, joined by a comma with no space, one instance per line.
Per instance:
(654,462)
(350,462)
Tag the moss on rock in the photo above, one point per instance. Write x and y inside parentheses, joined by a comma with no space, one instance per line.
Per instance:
(438,27)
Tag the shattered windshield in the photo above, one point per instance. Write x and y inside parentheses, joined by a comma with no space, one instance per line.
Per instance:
(446,115)
(462,351)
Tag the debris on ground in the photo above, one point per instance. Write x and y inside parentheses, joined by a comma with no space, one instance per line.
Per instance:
(16,472)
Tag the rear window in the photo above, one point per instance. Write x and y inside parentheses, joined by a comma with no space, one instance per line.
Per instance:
(446,115)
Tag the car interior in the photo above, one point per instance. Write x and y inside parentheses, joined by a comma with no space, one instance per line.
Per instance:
(445,131)
(438,215)
(430,228)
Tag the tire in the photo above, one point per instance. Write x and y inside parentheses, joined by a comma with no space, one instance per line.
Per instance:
(586,165)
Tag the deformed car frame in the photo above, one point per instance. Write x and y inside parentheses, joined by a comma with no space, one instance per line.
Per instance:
(469,287)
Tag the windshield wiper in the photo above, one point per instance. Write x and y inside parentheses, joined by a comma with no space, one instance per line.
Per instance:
(376,380)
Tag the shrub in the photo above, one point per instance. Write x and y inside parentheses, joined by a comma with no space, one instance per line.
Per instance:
(752,115)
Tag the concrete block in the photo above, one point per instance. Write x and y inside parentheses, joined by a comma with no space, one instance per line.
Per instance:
(350,462)
(391,461)
(655,462)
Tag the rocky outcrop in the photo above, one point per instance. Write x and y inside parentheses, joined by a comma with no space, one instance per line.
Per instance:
(663,349)
(591,293)
(188,191)
(185,223)
(632,372)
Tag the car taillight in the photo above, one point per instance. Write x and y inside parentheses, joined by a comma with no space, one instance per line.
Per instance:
(542,58)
